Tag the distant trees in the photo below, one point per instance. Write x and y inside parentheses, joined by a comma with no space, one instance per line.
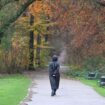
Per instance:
(80,24)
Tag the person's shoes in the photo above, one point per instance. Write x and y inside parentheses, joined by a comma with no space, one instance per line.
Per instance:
(55,93)
(52,93)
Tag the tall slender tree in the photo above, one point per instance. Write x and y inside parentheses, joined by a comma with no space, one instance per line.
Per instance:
(31,44)
(38,49)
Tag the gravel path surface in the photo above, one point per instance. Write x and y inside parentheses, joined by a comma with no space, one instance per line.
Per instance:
(71,92)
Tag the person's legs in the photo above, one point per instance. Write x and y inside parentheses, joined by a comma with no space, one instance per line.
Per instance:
(57,81)
(53,85)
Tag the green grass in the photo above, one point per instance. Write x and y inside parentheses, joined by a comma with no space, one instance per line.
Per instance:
(13,89)
(94,84)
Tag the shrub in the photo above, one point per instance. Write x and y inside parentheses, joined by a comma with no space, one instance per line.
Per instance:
(75,70)
(94,64)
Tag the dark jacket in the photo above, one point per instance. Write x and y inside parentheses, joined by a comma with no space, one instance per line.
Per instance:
(54,74)
(54,68)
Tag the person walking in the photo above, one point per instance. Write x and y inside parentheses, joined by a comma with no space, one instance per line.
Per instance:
(54,74)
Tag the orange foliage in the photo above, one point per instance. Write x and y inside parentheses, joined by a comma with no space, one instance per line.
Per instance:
(86,23)
(83,18)
(40,7)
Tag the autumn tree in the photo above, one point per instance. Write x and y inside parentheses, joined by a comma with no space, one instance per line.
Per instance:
(41,11)
(81,26)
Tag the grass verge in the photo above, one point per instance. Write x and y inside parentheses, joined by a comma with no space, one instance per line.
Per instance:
(13,89)
(94,85)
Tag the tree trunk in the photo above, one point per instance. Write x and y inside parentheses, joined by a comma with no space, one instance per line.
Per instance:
(31,45)
(1,35)
(38,62)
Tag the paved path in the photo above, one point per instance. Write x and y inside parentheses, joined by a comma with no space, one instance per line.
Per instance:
(71,92)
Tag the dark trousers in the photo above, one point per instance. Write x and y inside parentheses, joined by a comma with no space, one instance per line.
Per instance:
(54,81)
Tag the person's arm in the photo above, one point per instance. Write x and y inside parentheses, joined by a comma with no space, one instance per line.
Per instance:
(57,70)
(50,69)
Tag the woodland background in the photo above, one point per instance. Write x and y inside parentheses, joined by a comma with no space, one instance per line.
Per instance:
(31,31)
